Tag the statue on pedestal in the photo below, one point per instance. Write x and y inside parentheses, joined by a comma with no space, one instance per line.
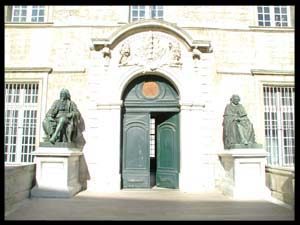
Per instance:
(63,121)
(238,131)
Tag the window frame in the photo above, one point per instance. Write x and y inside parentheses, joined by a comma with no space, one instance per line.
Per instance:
(37,75)
(152,137)
(272,16)
(148,12)
(21,107)
(279,109)
(10,11)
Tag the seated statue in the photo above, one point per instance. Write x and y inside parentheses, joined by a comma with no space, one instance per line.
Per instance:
(237,129)
(63,121)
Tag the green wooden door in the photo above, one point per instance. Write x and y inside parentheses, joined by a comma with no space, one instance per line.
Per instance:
(136,162)
(167,150)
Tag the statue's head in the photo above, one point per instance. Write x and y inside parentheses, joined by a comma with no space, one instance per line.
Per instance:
(65,94)
(235,99)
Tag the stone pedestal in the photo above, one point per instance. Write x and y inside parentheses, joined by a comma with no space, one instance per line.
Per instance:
(244,173)
(57,172)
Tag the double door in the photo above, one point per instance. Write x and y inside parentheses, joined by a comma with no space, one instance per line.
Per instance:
(136,150)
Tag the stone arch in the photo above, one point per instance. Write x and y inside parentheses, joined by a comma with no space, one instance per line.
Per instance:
(153,25)
(150,25)
(158,93)
(129,77)
(150,112)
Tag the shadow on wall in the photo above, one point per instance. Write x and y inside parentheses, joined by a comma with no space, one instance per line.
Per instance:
(281,182)
(19,179)
(288,193)
(84,174)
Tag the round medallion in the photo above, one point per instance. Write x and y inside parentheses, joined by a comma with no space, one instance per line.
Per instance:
(150,89)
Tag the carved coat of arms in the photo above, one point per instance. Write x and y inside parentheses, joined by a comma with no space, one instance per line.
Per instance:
(150,50)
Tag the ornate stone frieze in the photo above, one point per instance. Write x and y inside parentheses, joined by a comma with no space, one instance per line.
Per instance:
(196,53)
(150,50)
(125,54)
(106,52)
(106,55)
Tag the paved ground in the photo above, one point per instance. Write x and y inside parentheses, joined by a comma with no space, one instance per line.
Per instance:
(157,204)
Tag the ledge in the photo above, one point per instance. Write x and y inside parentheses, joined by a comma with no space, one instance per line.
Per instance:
(18,166)
(272,72)
(57,152)
(281,171)
(191,106)
(243,153)
(28,69)
(27,25)
(109,106)
(234,72)
(69,70)
(272,29)
(58,145)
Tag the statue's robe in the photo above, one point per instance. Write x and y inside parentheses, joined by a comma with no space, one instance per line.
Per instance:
(235,132)
(76,121)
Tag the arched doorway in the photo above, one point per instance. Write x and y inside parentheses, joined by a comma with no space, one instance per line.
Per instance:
(150,134)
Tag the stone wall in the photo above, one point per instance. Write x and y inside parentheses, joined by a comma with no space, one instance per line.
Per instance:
(217,16)
(281,182)
(19,179)
(63,44)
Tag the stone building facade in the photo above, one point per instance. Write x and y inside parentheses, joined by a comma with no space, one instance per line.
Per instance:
(202,54)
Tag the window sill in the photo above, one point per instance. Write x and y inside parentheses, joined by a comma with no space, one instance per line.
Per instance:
(29,24)
(272,29)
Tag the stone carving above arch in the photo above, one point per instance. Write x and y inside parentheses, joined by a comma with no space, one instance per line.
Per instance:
(154,33)
(151,50)
(146,25)
(106,54)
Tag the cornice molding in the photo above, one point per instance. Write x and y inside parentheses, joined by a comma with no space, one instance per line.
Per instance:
(150,25)
(272,72)
(272,29)
(28,69)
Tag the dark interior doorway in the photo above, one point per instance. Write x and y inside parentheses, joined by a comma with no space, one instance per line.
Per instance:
(153,152)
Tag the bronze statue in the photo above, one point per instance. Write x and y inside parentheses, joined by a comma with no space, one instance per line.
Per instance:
(237,129)
(63,122)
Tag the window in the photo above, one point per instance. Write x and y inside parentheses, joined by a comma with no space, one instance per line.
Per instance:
(146,12)
(157,12)
(279,125)
(152,137)
(276,16)
(21,103)
(25,14)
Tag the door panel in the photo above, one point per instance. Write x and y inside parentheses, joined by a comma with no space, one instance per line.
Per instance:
(167,150)
(136,164)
